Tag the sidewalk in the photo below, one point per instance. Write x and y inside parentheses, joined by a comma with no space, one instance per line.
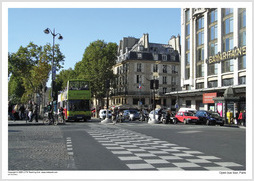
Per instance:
(234,126)
(24,122)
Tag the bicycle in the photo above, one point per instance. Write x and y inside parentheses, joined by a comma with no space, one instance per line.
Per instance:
(49,121)
(60,119)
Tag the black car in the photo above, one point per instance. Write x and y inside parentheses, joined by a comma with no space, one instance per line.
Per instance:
(210,117)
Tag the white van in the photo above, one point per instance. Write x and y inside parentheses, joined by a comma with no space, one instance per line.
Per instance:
(185,109)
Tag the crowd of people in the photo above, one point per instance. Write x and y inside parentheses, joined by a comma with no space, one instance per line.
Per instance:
(23,112)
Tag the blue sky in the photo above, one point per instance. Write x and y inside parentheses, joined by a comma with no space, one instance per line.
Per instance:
(81,26)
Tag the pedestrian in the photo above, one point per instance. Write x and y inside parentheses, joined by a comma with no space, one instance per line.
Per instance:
(10,111)
(30,110)
(35,112)
(244,118)
(236,117)
(22,112)
(240,118)
(229,116)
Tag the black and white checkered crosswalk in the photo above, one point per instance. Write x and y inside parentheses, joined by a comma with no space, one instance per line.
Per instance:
(142,152)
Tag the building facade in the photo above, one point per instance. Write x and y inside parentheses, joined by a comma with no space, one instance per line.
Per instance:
(213,58)
(139,62)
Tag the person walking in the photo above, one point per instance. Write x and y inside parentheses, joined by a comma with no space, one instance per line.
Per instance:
(236,117)
(10,111)
(22,112)
(35,112)
(240,118)
(30,111)
(229,116)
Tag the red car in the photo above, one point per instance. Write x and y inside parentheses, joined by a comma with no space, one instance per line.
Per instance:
(186,117)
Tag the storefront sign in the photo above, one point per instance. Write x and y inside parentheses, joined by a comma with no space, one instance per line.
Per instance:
(236,52)
(208,97)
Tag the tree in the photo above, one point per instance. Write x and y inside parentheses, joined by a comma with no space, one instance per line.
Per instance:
(96,66)
(32,65)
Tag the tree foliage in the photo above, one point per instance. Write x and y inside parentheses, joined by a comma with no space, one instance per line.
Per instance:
(32,65)
(96,66)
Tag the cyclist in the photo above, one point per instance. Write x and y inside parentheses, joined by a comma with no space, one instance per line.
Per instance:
(61,112)
(50,110)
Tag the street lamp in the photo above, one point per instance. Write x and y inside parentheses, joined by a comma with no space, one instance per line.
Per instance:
(53,68)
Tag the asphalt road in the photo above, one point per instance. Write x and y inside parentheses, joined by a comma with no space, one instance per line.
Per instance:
(89,146)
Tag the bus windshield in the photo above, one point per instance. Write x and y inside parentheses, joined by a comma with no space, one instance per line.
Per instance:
(78,85)
(78,105)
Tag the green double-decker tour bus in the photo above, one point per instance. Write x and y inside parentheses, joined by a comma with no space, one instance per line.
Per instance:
(75,100)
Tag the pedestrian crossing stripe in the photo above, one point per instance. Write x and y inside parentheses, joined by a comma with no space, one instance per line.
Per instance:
(143,152)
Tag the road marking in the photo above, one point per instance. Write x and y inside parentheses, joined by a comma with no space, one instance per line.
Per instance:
(140,151)
(71,163)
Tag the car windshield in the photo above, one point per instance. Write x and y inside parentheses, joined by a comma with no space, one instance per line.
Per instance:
(188,114)
(216,115)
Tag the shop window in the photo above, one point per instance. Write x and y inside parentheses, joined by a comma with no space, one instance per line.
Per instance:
(227,82)
(242,80)
(200,85)
(213,83)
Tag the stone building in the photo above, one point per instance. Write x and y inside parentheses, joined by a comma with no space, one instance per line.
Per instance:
(138,62)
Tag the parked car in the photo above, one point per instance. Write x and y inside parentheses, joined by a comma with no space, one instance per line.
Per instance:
(133,115)
(102,114)
(210,118)
(186,117)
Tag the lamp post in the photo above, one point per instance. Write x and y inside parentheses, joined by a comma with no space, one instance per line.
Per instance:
(53,68)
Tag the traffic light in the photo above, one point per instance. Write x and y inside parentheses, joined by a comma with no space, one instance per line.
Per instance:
(154,84)
(151,84)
